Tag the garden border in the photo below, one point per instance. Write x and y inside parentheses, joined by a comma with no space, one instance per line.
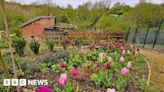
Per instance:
(148,80)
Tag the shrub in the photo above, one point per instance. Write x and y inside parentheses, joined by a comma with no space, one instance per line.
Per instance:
(19,44)
(34,46)
(66,43)
(78,42)
(50,43)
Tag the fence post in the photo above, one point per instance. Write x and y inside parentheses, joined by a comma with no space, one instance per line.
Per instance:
(159,27)
(134,37)
(127,34)
(146,35)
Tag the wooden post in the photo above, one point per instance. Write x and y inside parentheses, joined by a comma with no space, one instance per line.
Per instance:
(9,40)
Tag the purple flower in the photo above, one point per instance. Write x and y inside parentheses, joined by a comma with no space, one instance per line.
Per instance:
(98,64)
(44,89)
(74,72)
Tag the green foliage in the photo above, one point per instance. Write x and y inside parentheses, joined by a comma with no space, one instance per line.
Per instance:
(79,42)
(34,46)
(96,79)
(56,89)
(121,84)
(50,43)
(56,68)
(89,15)
(102,78)
(145,88)
(68,87)
(19,44)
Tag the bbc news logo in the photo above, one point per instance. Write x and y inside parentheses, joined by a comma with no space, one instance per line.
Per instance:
(23,82)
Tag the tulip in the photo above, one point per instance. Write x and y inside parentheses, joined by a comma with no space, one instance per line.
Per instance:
(122,48)
(136,54)
(101,55)
(129,65)
(124,71)
(124,51)
(98,64)
(128,52)
(107,66)
(132,46)
(63,78)
(44,89)
(62,64)
(122,59)
(74,72)
(110,90)
(110,59)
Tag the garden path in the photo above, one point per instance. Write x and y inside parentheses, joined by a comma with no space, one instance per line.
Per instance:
(156,62)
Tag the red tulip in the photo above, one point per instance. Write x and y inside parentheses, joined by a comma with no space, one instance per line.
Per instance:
(107,66)
(62,64)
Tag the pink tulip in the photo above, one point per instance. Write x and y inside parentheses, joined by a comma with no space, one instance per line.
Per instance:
(136,54)
(62,64)
(101,55)
(129,65)
(110,59)
(98,64)
(63,78)
(74,72)
(128,52)
(122,59)
(110,90)
(124,51)
(132,46)
(124,71)
(122,48)
(107,66)
(44,89)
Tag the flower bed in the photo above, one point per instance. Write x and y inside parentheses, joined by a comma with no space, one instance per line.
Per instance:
(118,68)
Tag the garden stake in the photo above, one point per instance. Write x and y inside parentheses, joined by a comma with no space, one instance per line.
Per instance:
(9,40)
(4,66)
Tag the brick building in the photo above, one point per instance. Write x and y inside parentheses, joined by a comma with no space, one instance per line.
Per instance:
(44,26)
(34,28)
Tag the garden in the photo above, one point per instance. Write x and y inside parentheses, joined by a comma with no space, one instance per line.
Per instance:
(104,46)
(105,66)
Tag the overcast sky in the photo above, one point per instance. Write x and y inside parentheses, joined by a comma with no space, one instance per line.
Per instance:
(75,3)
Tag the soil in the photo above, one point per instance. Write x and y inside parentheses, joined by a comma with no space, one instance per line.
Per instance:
(156,61)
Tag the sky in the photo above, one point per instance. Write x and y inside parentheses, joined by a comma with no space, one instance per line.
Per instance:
(75,3)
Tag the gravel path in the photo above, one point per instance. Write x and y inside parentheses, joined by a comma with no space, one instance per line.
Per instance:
(156,61)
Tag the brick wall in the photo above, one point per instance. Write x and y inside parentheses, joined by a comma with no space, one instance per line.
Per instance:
(36,28)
